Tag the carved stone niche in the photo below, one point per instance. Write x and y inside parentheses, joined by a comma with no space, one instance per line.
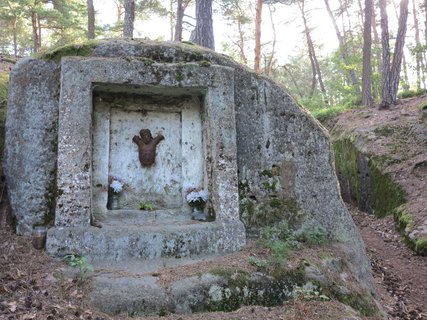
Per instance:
(104,107)
(119,113)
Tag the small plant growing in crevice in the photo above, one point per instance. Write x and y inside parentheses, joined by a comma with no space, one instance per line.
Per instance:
(281,241)
(146,206)
(80,262)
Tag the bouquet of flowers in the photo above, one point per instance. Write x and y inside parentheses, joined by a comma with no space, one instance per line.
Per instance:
(116,184)
(196,197)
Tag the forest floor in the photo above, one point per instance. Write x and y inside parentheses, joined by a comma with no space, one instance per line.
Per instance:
(33,287)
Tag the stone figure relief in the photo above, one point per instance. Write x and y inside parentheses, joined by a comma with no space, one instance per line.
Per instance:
(147,146)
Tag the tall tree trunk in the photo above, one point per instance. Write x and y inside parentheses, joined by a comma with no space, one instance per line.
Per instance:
(129,18)
(15,41)
(15,31)
(377,65)
(204,35)
(367,67)
(119,12)
(343,49)
(425,22)
(258,19)
(35,31)
(398,50)
(344,7)
(171,20)
(270,61)
(386,99)
(90,20)
(39,27)
(242,53)
(317,75)
(405,84)
(418,48)
(359,2)
(179,20)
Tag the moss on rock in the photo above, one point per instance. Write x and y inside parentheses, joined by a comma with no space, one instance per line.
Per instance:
(55,54)
(241,288)
(367,185)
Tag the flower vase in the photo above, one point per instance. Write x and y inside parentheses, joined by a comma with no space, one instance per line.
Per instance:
(115,201)
(197,213)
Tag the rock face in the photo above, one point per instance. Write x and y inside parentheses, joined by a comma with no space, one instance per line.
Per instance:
(266,159)
(31,132)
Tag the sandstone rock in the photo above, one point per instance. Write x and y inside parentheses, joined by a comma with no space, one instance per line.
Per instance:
(284,163)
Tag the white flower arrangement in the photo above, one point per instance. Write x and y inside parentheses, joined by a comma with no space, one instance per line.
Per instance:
(195,196)
(116,184)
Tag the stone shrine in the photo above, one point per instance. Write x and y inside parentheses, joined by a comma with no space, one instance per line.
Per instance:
(76,123)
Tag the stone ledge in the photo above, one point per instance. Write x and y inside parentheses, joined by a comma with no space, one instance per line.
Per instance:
(147,242)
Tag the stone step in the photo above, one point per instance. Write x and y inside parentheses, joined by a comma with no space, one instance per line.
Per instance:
(138,239)
(135,287)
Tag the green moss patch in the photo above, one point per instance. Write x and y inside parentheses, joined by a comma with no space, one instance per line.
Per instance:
(385,195)
(241,288)
(421,246)
(55,54)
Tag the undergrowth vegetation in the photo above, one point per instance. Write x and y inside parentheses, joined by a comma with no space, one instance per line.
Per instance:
(281,240)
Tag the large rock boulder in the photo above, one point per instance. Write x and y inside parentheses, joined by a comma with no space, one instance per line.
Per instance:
(284,158)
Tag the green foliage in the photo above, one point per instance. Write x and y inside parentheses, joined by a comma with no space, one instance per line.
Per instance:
(322,114)
(421,246)
(411,93)
(315,235)
(145,206)
(310,292)
(64,20)
(281,240)
(259,263)
(80,262)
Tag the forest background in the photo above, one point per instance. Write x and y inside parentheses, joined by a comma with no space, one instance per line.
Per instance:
(329,54)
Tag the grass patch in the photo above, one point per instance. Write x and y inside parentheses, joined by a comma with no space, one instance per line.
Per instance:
(411,93)
(322,114)
(281,241)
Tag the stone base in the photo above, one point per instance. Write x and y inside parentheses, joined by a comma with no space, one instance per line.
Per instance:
(146,235)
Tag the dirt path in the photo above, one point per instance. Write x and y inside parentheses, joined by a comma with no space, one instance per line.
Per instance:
(400,274)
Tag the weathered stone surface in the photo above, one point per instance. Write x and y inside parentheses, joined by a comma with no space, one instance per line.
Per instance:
(115,294)
(75,114)
(146,241)
(284,167)
(31,135)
